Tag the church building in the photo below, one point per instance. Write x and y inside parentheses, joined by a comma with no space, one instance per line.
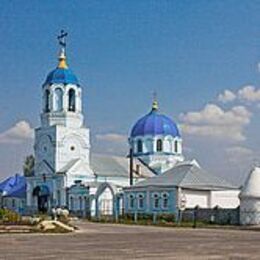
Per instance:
(154,177)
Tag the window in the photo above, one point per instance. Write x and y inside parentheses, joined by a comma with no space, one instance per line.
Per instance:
(139,146)
(47,101)
(13,203)
(140,201)
(176,146)
(58,100)
(156,201)
(131,201)
(72,100)
(159,145)
(165,200)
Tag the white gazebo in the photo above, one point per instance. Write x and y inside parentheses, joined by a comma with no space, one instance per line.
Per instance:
(250,199)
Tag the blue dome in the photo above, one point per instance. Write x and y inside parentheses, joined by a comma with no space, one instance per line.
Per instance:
(61,76)
(155,124)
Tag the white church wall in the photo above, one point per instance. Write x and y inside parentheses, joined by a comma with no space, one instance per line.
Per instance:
(196,198)
(44,147)
(72,144)
(225,198)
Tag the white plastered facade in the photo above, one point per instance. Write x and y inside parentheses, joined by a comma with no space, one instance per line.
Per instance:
(61,145)
(250,199)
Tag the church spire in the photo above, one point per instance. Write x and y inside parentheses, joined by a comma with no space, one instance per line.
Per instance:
(155,105)
(62,57)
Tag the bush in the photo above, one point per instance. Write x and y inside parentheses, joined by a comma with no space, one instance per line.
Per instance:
(166,218)
(9,217)
(145,216)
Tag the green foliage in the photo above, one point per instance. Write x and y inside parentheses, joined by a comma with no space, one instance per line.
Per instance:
(9,217)
(28,166)
(166,218)
(148,219)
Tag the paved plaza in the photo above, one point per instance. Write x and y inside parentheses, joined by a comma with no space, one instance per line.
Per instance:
(110,241)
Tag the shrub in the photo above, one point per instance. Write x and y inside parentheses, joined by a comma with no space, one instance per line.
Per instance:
(10,217)
(166,217)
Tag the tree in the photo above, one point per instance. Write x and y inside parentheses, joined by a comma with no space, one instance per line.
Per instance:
(28,166)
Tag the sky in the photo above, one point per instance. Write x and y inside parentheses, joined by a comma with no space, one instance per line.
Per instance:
(201,58)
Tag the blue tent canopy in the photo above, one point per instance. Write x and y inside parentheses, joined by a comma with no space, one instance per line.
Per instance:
(14,186)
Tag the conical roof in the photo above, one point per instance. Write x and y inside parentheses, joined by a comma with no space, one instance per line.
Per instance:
(251,187)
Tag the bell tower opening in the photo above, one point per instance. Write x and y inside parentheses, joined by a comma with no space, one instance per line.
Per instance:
(72,100)
(47,101)
(58,100)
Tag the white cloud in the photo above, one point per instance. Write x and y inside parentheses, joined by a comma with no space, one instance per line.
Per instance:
(20,132)
(239,154)
(239,150)
(226,96)
(112,137)
(249,93)
(213,121)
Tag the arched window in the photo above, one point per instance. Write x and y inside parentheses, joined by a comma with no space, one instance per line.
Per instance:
(72,100)
(176,146)
(47,101)
(58,100)
(140,201)
(156,201)
(131,201)
(165,200)
(159,145)
(139,146)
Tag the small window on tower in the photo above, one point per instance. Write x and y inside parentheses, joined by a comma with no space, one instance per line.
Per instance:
(72,148)
(47,101)
(176,146)
(139,146)
(72,100)
(159,145)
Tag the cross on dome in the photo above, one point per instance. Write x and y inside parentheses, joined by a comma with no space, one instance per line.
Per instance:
(62,57)
(62,74)
(155,105)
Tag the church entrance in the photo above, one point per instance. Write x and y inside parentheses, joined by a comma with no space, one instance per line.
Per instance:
(42,193)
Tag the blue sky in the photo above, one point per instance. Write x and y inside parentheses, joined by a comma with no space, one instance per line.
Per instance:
(189,52)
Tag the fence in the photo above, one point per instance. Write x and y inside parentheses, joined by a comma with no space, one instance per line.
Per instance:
(215,215)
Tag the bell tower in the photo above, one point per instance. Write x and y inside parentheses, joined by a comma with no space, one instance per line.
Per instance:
(62,142)
(61,94)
